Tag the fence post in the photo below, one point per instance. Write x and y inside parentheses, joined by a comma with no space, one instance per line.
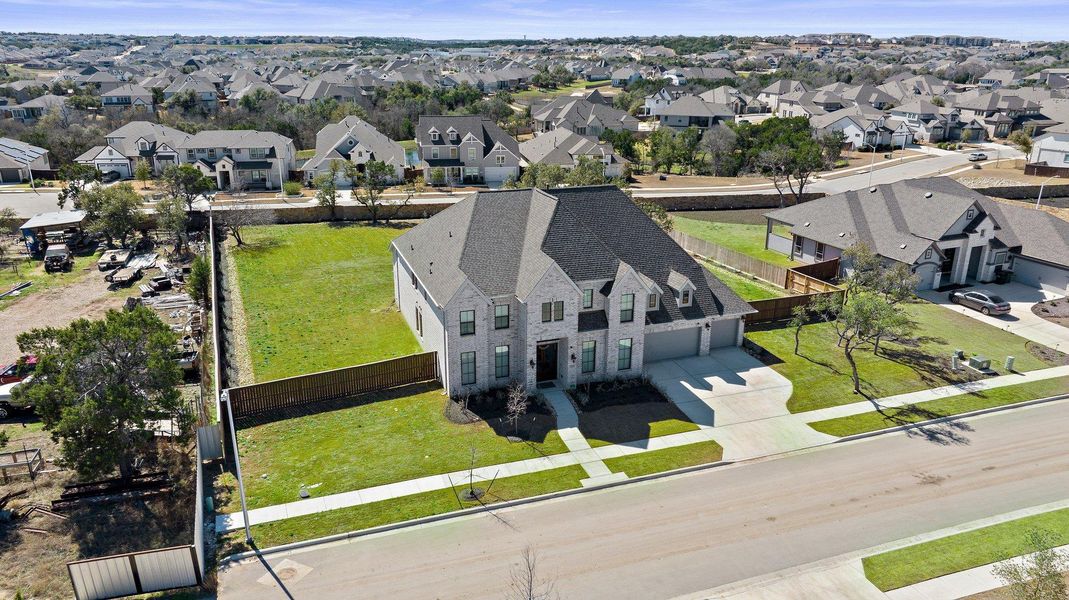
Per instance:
(237,465)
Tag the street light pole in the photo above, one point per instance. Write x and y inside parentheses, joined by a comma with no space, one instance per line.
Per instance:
(872,162)
(1040,197)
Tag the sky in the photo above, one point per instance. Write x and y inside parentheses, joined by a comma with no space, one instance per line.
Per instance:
(487,19)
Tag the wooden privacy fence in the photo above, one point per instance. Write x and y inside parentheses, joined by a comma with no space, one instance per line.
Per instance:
(332,385)
(736,260)
(778,309)
(815,277)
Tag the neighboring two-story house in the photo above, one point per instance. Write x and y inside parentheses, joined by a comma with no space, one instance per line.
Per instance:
(129,95)
(29,111)
(560,287)
(241,159)
(947,233)
(354,140)
(137,140)
(466,149)
(587,115)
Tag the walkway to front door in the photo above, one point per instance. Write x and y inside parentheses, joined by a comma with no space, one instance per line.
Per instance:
(546,369)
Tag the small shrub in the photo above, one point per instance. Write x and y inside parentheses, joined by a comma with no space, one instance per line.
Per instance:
(292,188)
(842,162)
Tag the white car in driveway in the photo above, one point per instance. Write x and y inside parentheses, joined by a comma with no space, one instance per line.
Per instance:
(977,157)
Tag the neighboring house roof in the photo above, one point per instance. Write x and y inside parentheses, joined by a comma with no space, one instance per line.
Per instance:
(333,136)
(125,138)
(236,138)
(505,241)
(1040,235)
(693,106)
(19,153)
(564,147)
(896,220)
(784,86)
(484,130)
(572,112)
(129,89)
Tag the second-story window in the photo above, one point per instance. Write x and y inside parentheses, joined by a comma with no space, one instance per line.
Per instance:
(257,153)
(627,308)
(434,153)
(452,152)
(558,310)
(501,316)
(500,160)
(547,312)
(471,154)
(190,154)
(211,152)
(651,302)
(588,298)
(467,322)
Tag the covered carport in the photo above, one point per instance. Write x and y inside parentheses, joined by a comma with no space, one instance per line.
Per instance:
(34,230)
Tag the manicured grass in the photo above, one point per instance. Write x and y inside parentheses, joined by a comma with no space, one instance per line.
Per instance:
(306,154)
(391,439)
(913,564)
(34,271)
(404,508)
(319,296)
(746,238)
(408,144)
(944,407)
(579,85)
(677,457)
(745,286)
(821,375)
(652,429)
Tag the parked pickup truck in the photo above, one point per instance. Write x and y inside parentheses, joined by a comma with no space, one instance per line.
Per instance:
(114,259)
(58,258)
(8,406)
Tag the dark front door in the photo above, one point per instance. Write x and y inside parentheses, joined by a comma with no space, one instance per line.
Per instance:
(546,369)
(948,262)
(974,263)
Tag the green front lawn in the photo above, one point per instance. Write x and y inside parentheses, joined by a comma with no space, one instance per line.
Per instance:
(821,375)
(745,286)
(944,407)
(319,296)
(677,457)
(746,238)
(386,440)
(913,564)
(408,145)
(404,508)
(34,271)
(306,154)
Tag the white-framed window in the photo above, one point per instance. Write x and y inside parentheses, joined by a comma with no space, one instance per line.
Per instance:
(257,153)
(452,152)
(500,160)
(143,145)
(419,321)
(434,136)
(651,302)
(588,298)
(471,154)
(190,154)
(467,368)
(684,298)
(798,245)
(452,135)
(211,152)
(434,153)
(820,251)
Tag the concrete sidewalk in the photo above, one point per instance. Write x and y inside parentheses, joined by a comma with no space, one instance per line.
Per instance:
(742,440)
(844,576)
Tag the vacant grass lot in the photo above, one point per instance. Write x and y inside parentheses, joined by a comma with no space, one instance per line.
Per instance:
(667,459)
(319,296)
(402,509)
(913,564)
(34,271)
(821,375)
(944,407)
(745,286)
(386,440)
(747,238)
(579,85)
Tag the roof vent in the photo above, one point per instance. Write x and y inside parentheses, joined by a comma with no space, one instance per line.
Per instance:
(872,190)
(842,234)
(903,246)
(806,224)
(927,194)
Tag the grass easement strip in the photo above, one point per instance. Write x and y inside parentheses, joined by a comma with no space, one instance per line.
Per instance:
(913,564)
(944,407)
(655,461)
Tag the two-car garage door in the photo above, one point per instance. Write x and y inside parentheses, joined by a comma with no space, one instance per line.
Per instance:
(664,345)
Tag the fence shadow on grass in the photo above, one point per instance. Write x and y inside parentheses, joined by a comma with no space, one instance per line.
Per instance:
(314,408)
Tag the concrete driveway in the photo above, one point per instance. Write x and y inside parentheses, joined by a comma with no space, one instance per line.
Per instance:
(743,401)
(1021,320)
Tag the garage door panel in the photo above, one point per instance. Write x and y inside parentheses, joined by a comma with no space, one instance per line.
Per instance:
(1042,276)
(724,333)
(664,345)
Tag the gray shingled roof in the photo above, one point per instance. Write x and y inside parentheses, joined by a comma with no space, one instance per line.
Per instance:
(505,241)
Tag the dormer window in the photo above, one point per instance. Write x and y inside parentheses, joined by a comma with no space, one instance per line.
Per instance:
(651,302)
(452,134)
(684,298)
(434,135)
(143,145)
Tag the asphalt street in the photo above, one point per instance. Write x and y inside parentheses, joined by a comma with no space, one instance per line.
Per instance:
(688,533)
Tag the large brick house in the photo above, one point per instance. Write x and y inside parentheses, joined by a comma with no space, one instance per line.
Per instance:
(560,286)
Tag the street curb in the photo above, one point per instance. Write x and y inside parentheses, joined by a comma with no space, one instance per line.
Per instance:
(965,415)
(241,556)
(456,514)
